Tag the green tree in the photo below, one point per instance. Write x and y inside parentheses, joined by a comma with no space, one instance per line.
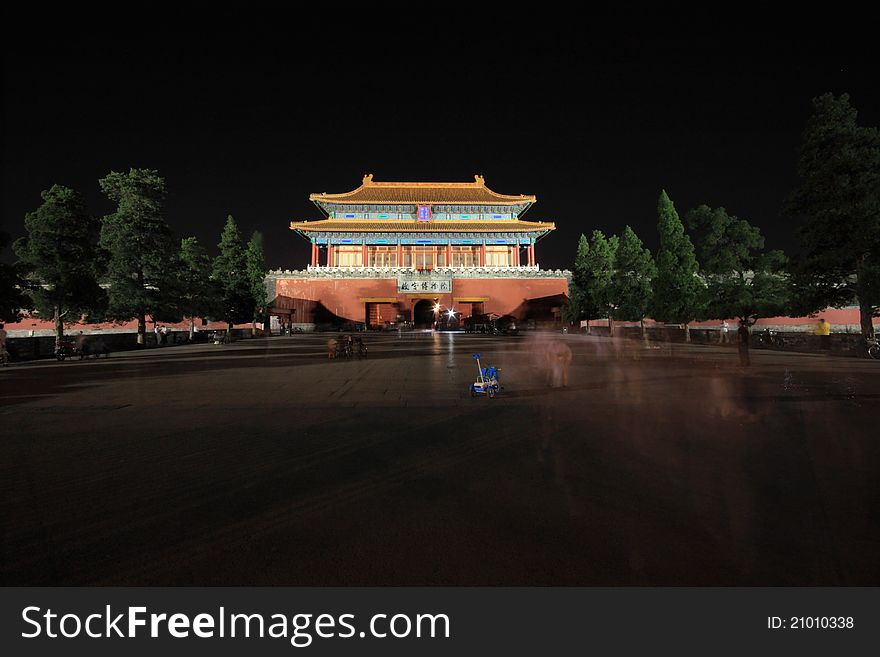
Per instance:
(600,274)
(839,195)
(679,293)
(590,285)
(630,288)
(741,280)
(256,271)
(236,301)
(575,311)
(12,285)
(60,257)
(139,245)
(196,296)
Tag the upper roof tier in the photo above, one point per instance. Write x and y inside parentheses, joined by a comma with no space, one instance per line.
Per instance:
(421,193)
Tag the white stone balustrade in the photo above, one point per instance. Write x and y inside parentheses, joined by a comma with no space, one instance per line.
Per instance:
(393,272)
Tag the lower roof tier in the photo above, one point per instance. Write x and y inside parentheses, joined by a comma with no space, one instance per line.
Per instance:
(440,226)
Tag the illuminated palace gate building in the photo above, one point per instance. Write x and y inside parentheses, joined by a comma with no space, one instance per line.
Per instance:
(389,252)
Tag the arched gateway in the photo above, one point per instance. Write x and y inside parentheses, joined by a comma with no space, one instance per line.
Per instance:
(423,314)
(389,251)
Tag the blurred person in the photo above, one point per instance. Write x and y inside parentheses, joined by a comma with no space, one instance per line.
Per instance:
(97,347)
(723,331)
(743,336)
(823,330)
(4,355)
(80,342)
(558,361)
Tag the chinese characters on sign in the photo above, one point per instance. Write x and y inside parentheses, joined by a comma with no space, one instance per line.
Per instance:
(424,213)
(420,285)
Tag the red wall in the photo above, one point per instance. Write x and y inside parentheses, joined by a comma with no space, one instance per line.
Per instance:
(342,297)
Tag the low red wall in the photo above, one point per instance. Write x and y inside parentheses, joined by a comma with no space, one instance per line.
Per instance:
(39,324)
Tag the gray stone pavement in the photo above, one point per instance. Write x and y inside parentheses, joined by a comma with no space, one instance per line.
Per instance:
(263,463)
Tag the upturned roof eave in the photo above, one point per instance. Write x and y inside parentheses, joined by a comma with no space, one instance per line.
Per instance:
(432,194)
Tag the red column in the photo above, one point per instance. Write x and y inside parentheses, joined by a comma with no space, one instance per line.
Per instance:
(314,254)
(330,256)
(482,255)
(364,257)
(516,256)
(449,254)
(399,254)
(531,255)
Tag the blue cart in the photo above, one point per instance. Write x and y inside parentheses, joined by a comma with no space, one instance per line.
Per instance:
(487,383)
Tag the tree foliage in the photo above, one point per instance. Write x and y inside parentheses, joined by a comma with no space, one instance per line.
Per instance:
(236,301)
(634,269)
(600,273)
(256,271)
(575,311)
(679,294)
(742,281)
(195,275)
(190,291)
(60,257)
(839,196)
(589,296)
(12,296)
(139,245)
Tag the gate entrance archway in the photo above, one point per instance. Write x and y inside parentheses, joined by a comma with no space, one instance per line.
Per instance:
(423,314)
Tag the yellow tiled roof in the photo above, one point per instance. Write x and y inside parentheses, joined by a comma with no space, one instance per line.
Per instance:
(390,193)
(413,226)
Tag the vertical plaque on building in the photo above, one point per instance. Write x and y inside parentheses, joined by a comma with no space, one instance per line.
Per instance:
(424,213)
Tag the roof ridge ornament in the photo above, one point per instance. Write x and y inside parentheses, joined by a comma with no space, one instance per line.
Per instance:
(481,182)
(368,179)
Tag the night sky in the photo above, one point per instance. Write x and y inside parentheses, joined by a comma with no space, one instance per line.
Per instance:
(246,113)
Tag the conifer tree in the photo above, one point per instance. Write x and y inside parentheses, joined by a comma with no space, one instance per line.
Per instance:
(742,280)
(600,273)
(236,301)
(575,311)
(679,294)
(197,294)
(634,270)
(256,270)
(839,194)
(139,245)
(60,257)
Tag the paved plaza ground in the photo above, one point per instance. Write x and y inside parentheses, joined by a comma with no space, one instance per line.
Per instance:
(261,463)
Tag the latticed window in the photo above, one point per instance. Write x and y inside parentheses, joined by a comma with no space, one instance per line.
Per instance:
(424,257)
(465,256)
(498,256)
(382,256)
(349,256)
